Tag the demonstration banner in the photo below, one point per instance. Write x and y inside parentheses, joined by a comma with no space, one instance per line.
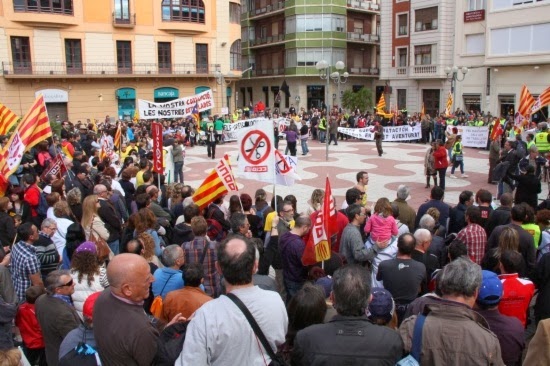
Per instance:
(176,108)
(231,129)
(156,131)
(472,136)
(391,133)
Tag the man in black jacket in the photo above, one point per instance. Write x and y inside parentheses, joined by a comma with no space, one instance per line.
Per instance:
(500,216)
(109,215)
(349,338)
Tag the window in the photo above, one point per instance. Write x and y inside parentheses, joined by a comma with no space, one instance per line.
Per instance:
(235,55)
(401,98)
(402,24)
(310,56)
(476,5)
(402,57)
(475,44)
(124,57)
(21,55)
(165,57)
(201,54)
(503,4)
(122,11)
(183,11)
(234,13)
(64,7)
(426,19)
(73,56)
(528,39)
(423,55)
(315,23)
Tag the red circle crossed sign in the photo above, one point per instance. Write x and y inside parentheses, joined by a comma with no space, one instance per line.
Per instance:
(282,161)
(255,147)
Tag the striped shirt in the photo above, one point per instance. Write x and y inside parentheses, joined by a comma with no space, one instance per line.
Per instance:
(24,263)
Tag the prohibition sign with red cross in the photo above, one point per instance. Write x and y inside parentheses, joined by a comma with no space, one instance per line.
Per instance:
(255,147)
(282,164)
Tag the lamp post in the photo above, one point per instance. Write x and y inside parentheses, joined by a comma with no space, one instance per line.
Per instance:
(452,75)
(324,73)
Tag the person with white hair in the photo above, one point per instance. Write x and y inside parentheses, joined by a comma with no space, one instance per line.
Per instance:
(437,246)
(420,253)
(407,214)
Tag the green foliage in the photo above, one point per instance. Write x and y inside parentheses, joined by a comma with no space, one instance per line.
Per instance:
(361,99)
(56,127)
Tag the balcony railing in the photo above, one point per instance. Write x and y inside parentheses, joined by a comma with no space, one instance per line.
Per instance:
(59,9)
(363,37)
(124,22)
(100,69)
(401,71)
(268,72)
(267,40)
(424,70)
(364,5)
(267,9)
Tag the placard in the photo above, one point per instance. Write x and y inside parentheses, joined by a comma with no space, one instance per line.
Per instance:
(177,108)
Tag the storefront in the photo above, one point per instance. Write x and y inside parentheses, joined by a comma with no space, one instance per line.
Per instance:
(163,95)
(315,96)
(126,98)
(56,103)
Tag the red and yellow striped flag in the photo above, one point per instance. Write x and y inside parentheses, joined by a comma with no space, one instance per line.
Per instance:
(542,100)
(219,182)
(422,110)
(381,106)
(526,101)
(7,119)
(118,138)
(449,105)
(34,127)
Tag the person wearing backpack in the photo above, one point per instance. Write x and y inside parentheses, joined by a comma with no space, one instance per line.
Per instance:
(457,158)
(169,278)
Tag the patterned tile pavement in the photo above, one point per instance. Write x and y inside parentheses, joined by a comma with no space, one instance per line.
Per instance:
(401,163)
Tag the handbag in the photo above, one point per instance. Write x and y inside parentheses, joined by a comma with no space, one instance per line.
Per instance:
(103,249)
(276,360)
(458,157)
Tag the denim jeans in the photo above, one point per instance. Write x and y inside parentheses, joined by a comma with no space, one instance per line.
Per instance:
(305,149)
(322,135)
(114,245)
(292,288)
(460,164)
(178,172)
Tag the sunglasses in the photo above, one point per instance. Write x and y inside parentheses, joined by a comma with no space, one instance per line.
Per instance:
(70,283)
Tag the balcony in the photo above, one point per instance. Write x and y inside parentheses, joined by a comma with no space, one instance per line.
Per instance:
(101,70)
(401,71)
(358,36)
(266,11)
(424,70)
(268,72)
(369,71)
(48,16)
(368,6)
(267,40)
(124,22)
(47,9)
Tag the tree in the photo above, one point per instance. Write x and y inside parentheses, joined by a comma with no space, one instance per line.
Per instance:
(361,99)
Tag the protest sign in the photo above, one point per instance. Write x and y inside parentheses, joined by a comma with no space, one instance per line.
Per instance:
(176,108)
(391,133)
(475,136)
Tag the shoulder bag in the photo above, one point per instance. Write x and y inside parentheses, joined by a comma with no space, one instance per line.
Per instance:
(276,360)
(103,249)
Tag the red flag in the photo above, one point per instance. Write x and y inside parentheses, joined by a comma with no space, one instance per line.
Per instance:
(219,182)
(325,224)
(497,131)
(542,100)
(158,161)
(118,138)
(56,167)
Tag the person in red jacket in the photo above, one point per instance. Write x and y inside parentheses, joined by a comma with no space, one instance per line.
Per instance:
(441,162)
(29,327)
(32,198)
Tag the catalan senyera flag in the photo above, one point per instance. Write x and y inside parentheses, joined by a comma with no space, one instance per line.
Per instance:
(105,151)
(118,137)
(219,182)
(34,127)
(7,119)
(542,100)
(196,116)
(526,101)
(318,244)
(449,105)
(381,106)
(497,131)
(422,110)
(136,115)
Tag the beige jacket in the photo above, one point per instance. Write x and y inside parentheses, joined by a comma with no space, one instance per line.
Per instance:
(538,353)
(98,228)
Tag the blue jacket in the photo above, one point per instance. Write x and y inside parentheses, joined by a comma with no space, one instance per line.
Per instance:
(166,280)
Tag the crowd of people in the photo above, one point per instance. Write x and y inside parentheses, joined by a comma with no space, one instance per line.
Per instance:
(108,261)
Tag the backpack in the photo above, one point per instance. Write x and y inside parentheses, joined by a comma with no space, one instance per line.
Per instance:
(157,305)
(42,205)
(170,343)
(261,224)
(215,230)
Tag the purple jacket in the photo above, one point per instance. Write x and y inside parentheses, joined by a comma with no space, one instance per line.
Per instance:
(291,136)
(291,247)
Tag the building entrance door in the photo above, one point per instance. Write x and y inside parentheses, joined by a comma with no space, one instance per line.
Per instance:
(431,100)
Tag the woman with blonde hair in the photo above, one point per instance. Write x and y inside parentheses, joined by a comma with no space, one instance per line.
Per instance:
(316,201)
(508,240)
(91,222)
(148,248)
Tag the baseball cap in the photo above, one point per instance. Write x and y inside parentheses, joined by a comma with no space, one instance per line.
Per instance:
(490,291)
(88,308)
(326,284)
(87,246)
(381,305)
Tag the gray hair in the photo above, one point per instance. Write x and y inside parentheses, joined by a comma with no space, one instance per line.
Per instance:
(47,223)
(53,280)
(237,220)
(422,236)
(533,149)
(171,254)
(302,221)
(427,222)
(461,277)
(351,286)
(403,192)
(74,196)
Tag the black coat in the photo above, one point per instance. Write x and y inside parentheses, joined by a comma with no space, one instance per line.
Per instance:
(527,190)
(457,218)
(7,229)
(542,281)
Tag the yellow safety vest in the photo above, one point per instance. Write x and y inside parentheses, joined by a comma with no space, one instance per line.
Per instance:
(541,140)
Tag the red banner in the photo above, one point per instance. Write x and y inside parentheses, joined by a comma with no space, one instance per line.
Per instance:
(55,167)
(156,129)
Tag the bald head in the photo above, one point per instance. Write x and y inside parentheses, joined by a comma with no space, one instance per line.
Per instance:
(236,260)
(123,267)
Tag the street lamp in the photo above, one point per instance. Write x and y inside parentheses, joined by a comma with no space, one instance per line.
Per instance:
(324,73)
(452,75)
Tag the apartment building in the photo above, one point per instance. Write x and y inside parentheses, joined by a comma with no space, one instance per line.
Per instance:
(417,44)
(505,44)
(284,40)
(95,58)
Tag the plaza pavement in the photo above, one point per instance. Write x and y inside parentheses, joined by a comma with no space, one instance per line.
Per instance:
(401,163)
